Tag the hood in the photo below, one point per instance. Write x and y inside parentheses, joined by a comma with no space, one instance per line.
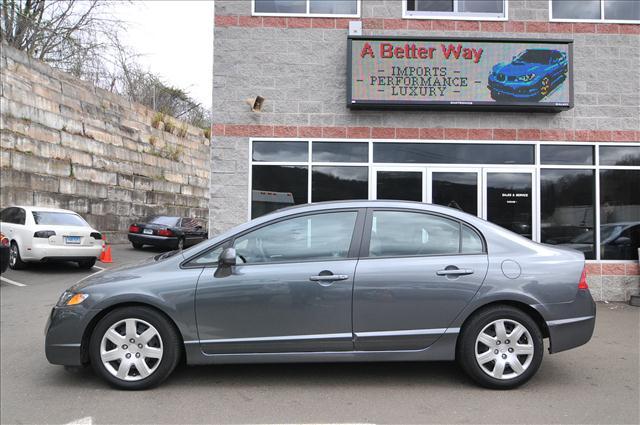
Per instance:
(517,68)
(128,272)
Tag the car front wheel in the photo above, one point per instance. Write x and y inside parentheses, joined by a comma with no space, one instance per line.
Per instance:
(134,348)
(500,347)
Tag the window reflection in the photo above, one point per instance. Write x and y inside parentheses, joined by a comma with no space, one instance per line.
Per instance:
(456,190)
(567,209)
(619,214)
(333,7)
(280,151)
(281,6)
(338,183)
(277,186)
(340,152)
(566,155)
(452,153)
(619,155)
(399,185)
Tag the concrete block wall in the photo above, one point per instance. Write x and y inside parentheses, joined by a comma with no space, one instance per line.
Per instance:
(299,66)
(68,144)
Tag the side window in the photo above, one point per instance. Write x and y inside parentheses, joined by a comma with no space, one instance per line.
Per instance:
(6,216)
(208,258)
(471,242)
(312,237)
(20,216)
(400,233)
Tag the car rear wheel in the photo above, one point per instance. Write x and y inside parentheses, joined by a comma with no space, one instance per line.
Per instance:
(134,348)
(87,264)
(500,347)
(15,261)
(137,245)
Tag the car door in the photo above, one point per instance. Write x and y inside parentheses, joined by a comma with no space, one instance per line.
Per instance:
(416,273)
(7,221)
(290,291)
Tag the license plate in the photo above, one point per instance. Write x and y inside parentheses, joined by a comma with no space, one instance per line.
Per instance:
(148,231)
(72,240)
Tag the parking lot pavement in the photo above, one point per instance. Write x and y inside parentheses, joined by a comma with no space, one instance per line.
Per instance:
(596,383)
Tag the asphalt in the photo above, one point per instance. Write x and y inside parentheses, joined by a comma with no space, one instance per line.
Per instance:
(596,383)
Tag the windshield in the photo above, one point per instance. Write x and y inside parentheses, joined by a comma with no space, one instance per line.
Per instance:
(533,56)
(163,220)
(58,219)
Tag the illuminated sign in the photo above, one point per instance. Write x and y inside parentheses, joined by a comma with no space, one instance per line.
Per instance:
(459,73)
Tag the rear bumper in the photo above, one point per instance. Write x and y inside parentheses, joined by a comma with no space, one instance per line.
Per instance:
(4,258)
(572,332)
(159,241)
(63,253)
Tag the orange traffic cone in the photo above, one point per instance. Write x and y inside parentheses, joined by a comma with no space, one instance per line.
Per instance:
(105,255)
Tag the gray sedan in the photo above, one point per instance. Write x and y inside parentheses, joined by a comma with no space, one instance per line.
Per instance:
(333,282)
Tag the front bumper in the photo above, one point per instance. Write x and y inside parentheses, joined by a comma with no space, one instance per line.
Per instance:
(520,90)
(64,334)
(159,241)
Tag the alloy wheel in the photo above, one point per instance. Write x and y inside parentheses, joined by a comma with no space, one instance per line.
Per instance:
(504,349)
(131,349)
(13,254)
(544,88)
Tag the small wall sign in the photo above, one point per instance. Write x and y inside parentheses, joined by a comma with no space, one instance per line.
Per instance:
(459,73)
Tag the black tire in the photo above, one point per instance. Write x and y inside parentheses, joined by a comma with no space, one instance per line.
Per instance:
(87,264)
(171,344)
(16,262)
(466,349)
(137,245)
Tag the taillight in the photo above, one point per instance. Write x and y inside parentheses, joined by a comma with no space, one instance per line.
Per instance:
(96,235)
(164,232)
(4,241)
(134,229)
(583,281)
(45,234)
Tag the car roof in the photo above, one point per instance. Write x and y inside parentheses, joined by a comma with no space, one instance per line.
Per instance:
(45,209)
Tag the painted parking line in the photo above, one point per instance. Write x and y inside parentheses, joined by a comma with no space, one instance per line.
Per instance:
(11,282)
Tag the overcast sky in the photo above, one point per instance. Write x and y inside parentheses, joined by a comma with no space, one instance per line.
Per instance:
(175,38)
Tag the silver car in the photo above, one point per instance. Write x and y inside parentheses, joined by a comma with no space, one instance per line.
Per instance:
(333,282)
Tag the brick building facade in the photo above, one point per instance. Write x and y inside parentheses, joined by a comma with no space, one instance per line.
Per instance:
(306,145)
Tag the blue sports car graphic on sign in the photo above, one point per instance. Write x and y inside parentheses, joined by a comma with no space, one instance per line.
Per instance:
(531,75)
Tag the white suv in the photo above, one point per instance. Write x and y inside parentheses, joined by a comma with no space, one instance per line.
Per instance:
(49,234)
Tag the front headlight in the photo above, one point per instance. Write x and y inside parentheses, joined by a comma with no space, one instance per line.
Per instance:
(527,78)
(69,298)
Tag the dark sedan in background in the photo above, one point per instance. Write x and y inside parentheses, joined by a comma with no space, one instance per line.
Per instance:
(168,232)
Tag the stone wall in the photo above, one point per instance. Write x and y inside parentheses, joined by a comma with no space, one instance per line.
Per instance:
(68,144)
(305,93)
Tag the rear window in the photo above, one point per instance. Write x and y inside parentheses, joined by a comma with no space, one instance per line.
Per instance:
(163,220)
(58,219)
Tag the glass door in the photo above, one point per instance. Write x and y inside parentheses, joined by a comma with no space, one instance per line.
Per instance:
(458,188)
(399,183)
(509,200)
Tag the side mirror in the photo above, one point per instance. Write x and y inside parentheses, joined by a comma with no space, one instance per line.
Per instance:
(227,258)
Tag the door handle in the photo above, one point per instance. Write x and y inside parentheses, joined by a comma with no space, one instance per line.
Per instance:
(328,278)
(454,272)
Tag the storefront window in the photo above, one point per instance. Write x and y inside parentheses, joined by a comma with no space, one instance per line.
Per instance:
(280,151)
(509,202)
(620,155)
(339,183)
(566,155)
(619,214)
(567,209)
(340,152)
(277,186)
(456,8)
(452,153)
(456,190)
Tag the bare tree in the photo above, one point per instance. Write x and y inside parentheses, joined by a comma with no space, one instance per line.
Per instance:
(82,38)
